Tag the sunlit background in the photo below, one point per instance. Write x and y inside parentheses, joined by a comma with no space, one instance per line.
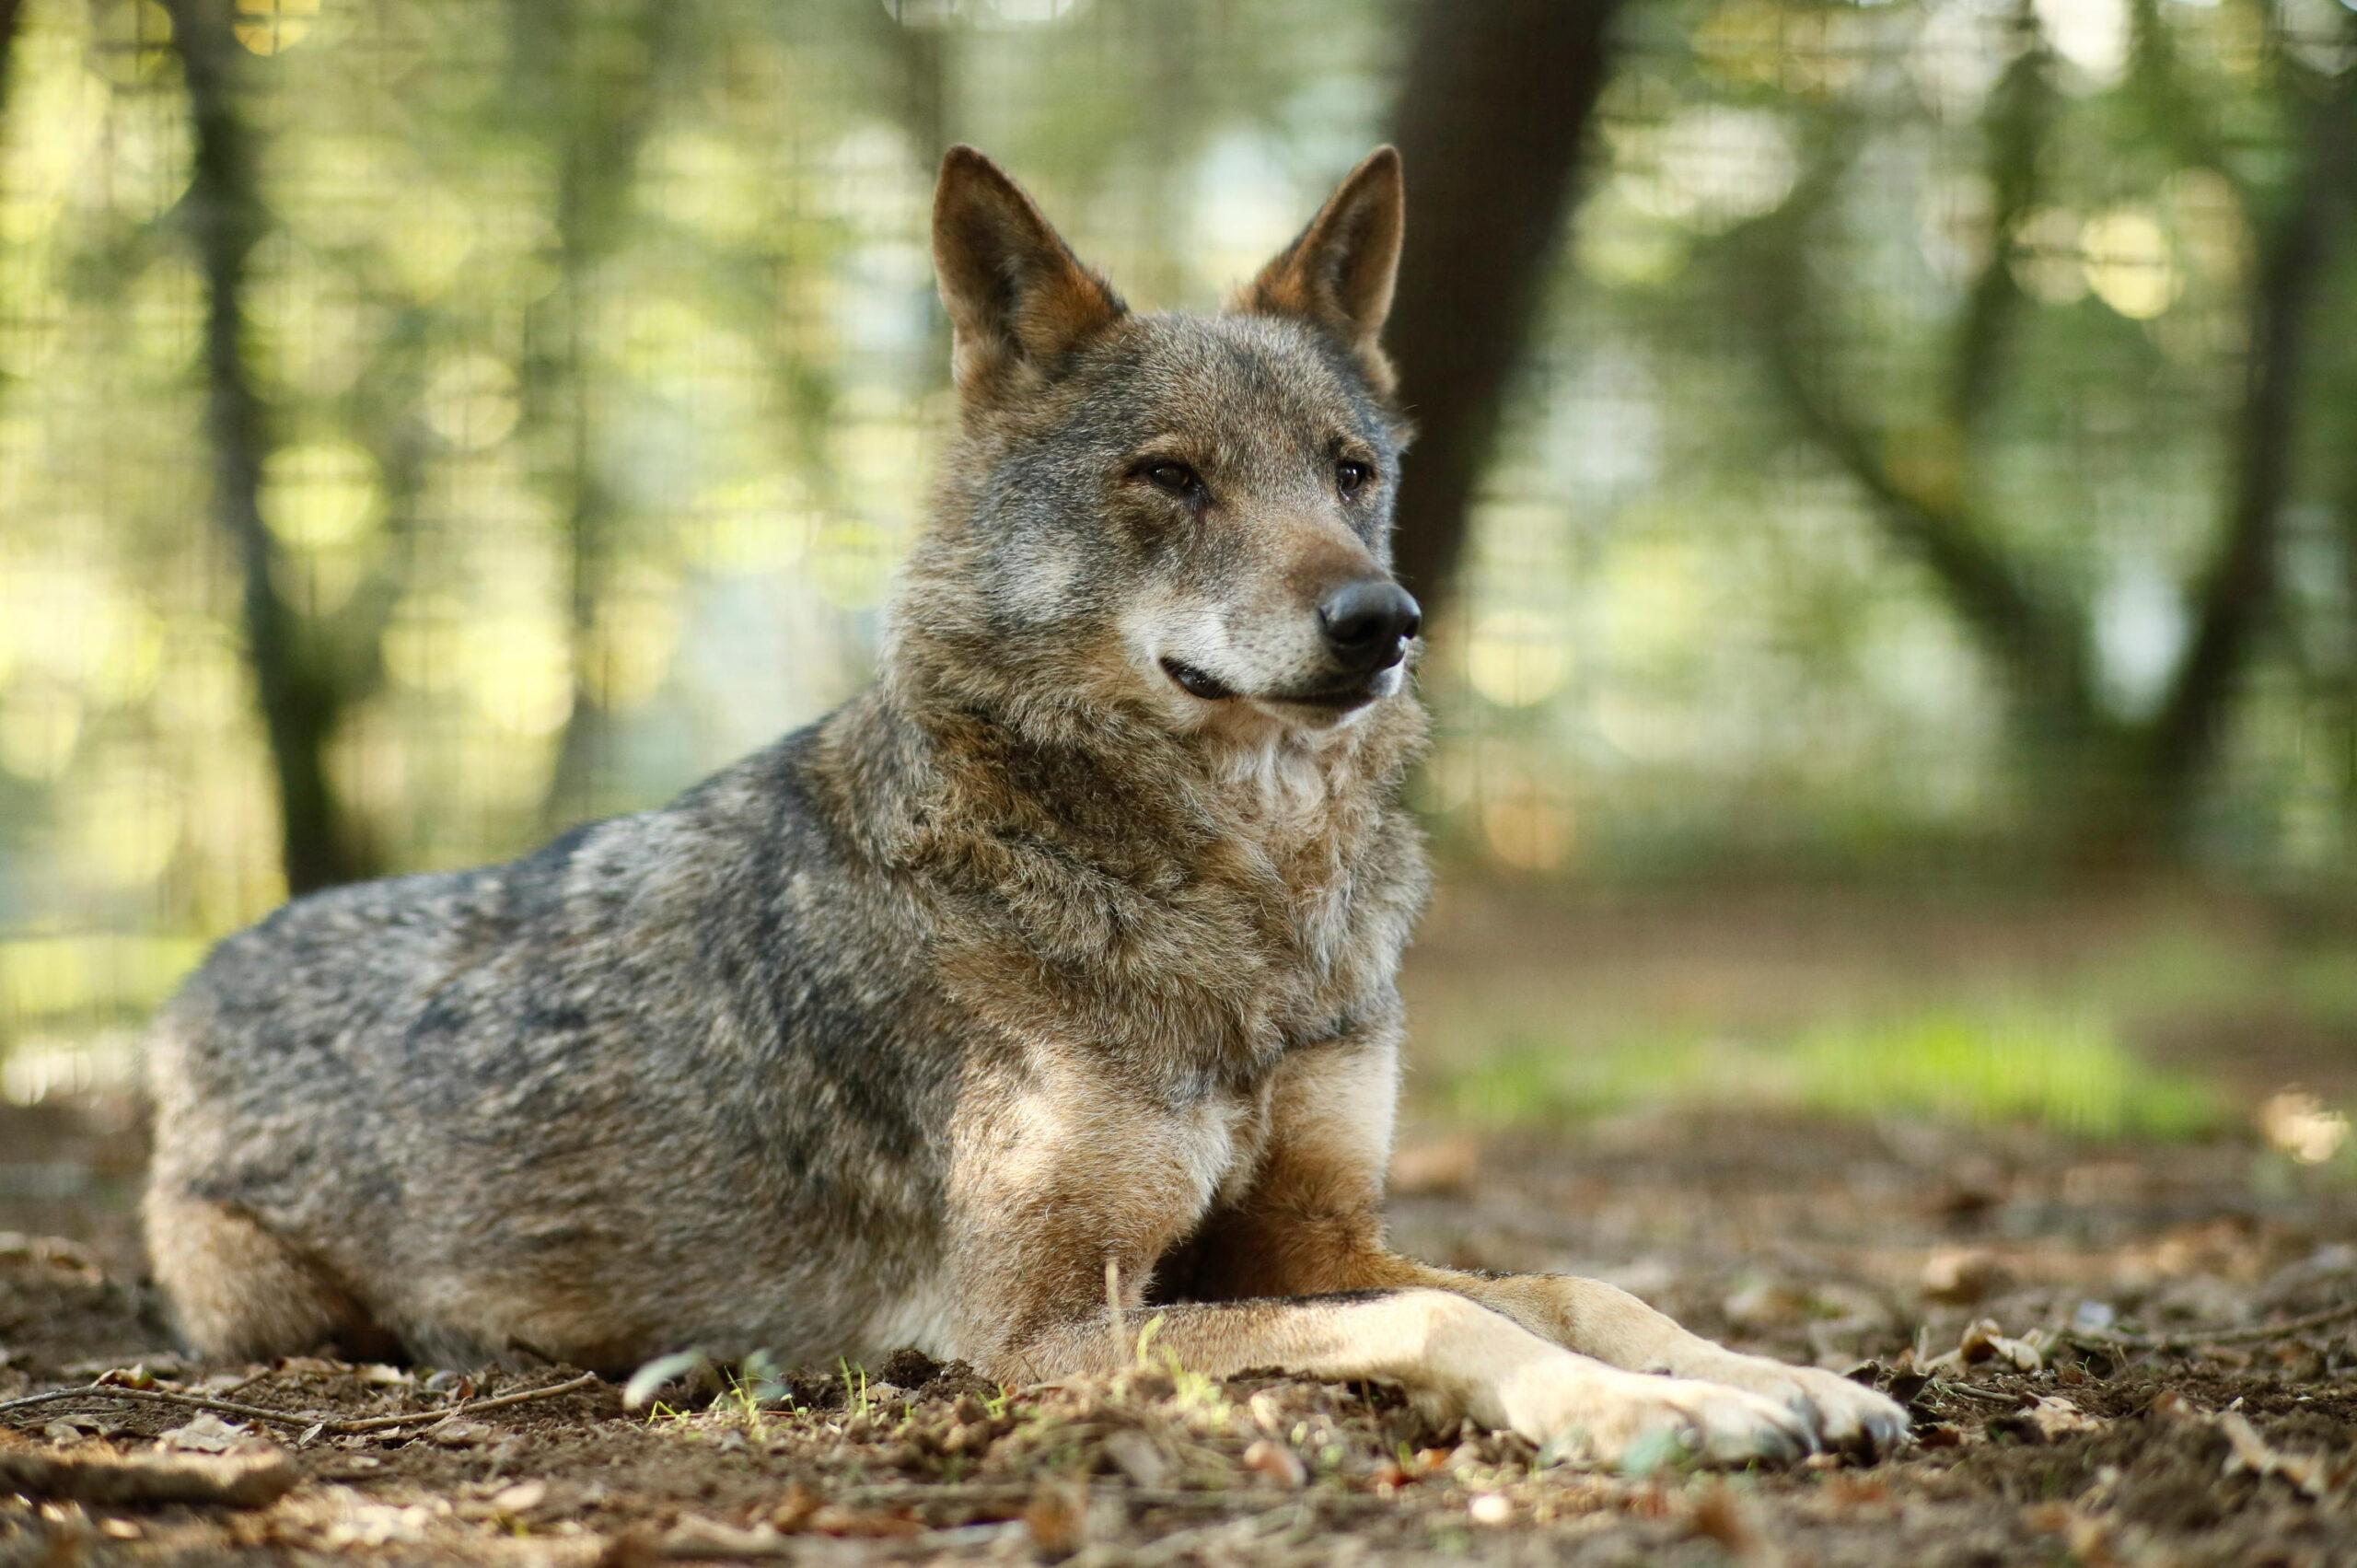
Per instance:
(1899,415)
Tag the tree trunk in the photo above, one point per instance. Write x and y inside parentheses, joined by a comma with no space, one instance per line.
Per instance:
(2238,595)
(607,100)
(296,689)
(12,13)
(1491,121)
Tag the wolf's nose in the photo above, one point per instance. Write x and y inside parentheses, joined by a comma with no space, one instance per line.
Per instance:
(1367,624)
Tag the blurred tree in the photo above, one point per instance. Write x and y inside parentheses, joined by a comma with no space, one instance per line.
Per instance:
(1491,120)
(11,12)
(2122,784)
(299,684)
(591,78)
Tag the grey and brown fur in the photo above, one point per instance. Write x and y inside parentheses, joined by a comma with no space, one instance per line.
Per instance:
(1070,943)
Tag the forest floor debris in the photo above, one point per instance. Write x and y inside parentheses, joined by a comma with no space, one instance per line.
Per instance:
(2114,1354)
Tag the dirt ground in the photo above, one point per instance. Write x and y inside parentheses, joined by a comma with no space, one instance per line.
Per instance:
(1983,1277)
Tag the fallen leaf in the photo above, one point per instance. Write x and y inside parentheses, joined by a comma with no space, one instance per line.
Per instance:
(1277,1462)
(1963,1275)
(207,1433)
(2251,1452)
(520,1498)
(795,1509)
(2045,1418)
(696,1537)
(1720,1516)
(1985,1341)
(1766,1304)
(864,1524)
(1057,1520)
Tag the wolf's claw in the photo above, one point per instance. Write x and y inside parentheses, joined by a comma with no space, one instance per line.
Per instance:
(1601,1416)
(1837,1413)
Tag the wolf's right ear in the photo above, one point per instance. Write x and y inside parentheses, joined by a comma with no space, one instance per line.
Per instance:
(1017,298)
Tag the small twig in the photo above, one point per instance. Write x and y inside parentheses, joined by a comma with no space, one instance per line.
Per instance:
(2192,1339)
(240,1386)
(500,1401)
(158,1396)
(296,1421)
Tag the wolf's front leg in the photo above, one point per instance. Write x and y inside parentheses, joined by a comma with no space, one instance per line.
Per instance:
(1616,1328)
(1064,1185)
(1453,1356)
(1312,1220)
(1588,1317)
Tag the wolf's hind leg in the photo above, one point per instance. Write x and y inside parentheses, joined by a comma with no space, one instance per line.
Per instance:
(238,1292)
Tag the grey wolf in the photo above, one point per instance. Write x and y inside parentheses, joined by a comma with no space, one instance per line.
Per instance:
(1066,952)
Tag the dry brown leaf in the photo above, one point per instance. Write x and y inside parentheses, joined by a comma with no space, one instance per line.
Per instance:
(695,1538)
(1058,1519)
(2251,1452)
(459,1433)
(863,1524)
(205,1433)
(520,1498)
(2044,1419)
(1721,1517)
(1277,1462)
(795,1509)
(1963,1275)
(1767,1304)
(1984,1340)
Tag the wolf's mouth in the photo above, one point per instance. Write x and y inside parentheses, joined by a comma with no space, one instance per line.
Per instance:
(1196,682)
(1358,694)
(1347,696)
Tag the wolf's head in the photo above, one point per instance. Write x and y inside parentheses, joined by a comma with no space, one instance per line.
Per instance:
(1186,518)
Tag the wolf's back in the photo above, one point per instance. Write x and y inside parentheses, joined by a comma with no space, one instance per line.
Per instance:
(470,1103)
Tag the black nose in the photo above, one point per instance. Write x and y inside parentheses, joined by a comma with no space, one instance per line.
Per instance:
(1367,624)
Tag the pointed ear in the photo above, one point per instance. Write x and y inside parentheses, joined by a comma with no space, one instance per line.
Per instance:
(1340,273)
(1016,295)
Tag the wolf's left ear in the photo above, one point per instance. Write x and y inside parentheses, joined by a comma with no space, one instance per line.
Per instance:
(1017,298)
(1340,273)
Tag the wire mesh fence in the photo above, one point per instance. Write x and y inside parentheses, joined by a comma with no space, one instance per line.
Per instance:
(601,380)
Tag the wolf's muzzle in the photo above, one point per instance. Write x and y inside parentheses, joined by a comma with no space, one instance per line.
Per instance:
(1367,624)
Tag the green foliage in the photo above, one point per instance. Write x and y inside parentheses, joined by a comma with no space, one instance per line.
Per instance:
(2064,1069)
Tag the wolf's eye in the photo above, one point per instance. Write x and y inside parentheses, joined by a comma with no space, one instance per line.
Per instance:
(1174,479)
(1350,474)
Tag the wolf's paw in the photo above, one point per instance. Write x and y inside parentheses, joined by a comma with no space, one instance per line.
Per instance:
(1601,1416)
(1837,1413)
